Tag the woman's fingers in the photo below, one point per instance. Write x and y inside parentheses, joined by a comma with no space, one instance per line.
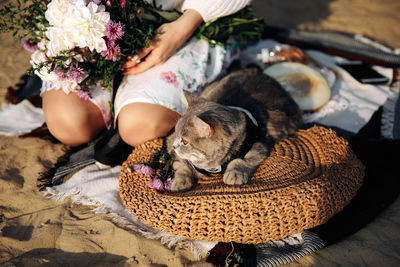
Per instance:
(138,58)
(149,57)
(150,61)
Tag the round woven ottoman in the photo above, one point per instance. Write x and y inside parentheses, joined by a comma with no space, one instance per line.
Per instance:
(306,180)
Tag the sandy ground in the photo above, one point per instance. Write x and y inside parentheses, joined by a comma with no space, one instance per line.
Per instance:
(36,231)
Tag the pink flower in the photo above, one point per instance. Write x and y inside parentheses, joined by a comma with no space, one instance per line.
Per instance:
(75,73)
(115,30)
(113,51)
(29,46)
(169,77)
(157,184)
(122,3)
(82,94)
(61,73)
(167,184)
(143,169)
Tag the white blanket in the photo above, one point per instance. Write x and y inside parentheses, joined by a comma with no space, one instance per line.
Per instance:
(97,185)
(20,119)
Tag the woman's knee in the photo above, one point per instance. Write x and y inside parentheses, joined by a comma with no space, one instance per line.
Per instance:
(140,122)
(69,130)
(70,120)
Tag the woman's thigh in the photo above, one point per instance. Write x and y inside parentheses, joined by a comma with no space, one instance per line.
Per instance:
(71,119)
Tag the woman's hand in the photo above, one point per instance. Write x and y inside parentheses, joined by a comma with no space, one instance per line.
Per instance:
(169,37)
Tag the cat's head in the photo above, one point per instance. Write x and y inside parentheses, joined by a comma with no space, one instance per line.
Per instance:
(207,135)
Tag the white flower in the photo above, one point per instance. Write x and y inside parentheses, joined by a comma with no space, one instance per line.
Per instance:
(78,58)
(73,24)
(59,40)
(39,57)
(89,26)
(67,86)
(44,73)
(43,44)
(57,9)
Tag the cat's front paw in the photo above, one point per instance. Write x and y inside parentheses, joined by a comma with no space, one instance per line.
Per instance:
(181,183)
(237,173)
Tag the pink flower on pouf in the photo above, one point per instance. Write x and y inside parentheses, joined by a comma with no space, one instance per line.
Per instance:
(156,183)
(143,169)
(167,184)
(169,77)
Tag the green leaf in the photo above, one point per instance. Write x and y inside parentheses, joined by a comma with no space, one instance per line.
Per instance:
(168,15)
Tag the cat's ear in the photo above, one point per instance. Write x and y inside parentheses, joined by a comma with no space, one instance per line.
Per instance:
(202,127)
(190,99)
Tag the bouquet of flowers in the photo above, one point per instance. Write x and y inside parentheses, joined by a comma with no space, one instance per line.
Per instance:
(78,43)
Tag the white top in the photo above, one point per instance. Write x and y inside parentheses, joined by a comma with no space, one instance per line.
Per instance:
(208,9)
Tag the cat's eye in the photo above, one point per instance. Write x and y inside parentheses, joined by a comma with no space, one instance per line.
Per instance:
(184,142)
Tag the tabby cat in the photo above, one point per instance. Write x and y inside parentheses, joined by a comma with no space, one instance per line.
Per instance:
(230,128)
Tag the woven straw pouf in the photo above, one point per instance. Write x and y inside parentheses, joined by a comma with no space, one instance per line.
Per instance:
(306,180)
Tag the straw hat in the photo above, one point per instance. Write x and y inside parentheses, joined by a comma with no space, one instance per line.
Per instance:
(306,180)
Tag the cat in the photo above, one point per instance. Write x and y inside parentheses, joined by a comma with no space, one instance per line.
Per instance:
(230,127)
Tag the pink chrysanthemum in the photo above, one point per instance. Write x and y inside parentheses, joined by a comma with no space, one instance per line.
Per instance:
(75,73)
(28,46)
(167,184)
(61,74)
(144,169)
(113,51)
(115,30)
(82,94)
(156,183)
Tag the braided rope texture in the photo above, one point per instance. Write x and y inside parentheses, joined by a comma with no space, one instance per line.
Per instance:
(307,179)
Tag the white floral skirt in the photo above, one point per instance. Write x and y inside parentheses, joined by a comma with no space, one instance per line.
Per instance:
(194,65)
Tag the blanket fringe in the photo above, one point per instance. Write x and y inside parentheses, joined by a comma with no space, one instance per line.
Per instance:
(280,252)
(390,122)
(128,222)
(45,179)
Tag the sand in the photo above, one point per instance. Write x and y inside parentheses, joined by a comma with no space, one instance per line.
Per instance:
(36,230)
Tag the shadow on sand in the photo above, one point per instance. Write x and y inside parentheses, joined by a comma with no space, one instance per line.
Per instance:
(57,257)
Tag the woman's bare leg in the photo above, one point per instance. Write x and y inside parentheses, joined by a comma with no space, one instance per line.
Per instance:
(140,122)
(70,119)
